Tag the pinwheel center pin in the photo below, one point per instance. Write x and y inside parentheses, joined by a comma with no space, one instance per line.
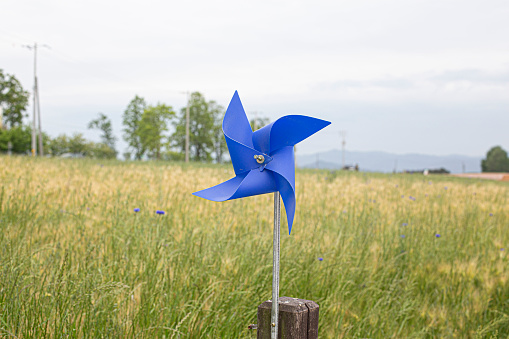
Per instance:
(259,158)
(262,160)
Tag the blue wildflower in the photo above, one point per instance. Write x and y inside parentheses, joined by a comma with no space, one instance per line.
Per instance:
(403,236)
(437,235)
(404,224)
(445,187)
(160,212)
(136,209)
(491,214)
(502,249)
(320,259)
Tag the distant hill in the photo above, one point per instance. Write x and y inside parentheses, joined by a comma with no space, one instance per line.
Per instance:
(387,162)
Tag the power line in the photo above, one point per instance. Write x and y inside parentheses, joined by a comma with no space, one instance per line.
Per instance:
(94,72)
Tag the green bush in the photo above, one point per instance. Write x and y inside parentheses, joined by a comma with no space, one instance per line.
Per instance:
(21,139)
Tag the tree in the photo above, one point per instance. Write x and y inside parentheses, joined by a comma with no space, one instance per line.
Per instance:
(13,99)
(20,138)
(131,121)
(103,123)
(59,145)
(258,123)
(496,160)
(77,145)
(100,150)
(205,134)
(152,126)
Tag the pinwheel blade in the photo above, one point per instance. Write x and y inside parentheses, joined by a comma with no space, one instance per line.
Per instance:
(287,131)
(235,123)
(288,195)
(247,184)
(283,167)
(223,191)
(239,137)
(284,164)
(256,182)
(242,156)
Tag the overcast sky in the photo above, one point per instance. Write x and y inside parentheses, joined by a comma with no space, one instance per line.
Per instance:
(427,77)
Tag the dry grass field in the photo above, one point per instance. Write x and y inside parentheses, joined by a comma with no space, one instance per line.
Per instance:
(404,256)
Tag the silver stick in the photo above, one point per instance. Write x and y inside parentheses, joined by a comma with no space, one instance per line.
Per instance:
(275,267)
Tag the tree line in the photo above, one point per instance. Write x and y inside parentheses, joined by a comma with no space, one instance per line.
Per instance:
(146,129)
(150,131)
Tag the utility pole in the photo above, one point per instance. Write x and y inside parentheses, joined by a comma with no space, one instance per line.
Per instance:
(34,132)
(41,150)
(343,143)
(187,128)
(37,107)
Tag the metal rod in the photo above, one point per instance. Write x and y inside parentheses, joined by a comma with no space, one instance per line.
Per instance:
(275,267)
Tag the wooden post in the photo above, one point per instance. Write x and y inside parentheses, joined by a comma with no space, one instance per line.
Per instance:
(298,319)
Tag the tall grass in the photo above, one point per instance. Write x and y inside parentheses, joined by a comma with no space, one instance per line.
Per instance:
(76,261)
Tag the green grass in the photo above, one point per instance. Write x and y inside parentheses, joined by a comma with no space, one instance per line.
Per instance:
(77,262)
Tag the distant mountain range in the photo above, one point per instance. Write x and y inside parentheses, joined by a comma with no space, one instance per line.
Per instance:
(388,162)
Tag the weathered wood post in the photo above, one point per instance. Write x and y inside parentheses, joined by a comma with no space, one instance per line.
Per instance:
(298,319)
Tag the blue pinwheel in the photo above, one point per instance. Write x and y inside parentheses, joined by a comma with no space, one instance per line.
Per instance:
(263,160)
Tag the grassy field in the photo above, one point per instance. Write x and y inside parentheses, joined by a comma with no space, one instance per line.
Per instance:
(404,256)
